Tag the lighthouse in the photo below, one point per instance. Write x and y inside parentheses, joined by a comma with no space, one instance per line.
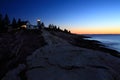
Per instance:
(38,23)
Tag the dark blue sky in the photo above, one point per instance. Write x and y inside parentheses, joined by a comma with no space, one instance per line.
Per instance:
(76,15)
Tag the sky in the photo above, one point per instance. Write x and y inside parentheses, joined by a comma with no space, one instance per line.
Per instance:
(78,16)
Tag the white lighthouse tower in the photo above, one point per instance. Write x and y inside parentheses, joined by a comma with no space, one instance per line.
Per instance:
(38,23)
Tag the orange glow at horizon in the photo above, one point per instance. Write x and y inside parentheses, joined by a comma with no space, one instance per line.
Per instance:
(110,30)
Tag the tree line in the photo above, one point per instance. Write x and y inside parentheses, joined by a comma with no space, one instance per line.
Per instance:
(5,23)
(57,28)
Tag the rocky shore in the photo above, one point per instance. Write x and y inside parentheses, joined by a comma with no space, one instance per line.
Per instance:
(53,55)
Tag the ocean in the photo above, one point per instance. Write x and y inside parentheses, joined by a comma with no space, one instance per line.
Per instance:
(111,41)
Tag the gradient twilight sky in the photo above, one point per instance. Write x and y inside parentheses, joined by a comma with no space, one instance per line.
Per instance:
(79,16)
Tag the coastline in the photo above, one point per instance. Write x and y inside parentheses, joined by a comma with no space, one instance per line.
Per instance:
(61,54)
(110,41)
(81,41)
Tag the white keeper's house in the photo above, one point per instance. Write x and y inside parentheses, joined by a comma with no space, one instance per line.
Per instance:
(28,25)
